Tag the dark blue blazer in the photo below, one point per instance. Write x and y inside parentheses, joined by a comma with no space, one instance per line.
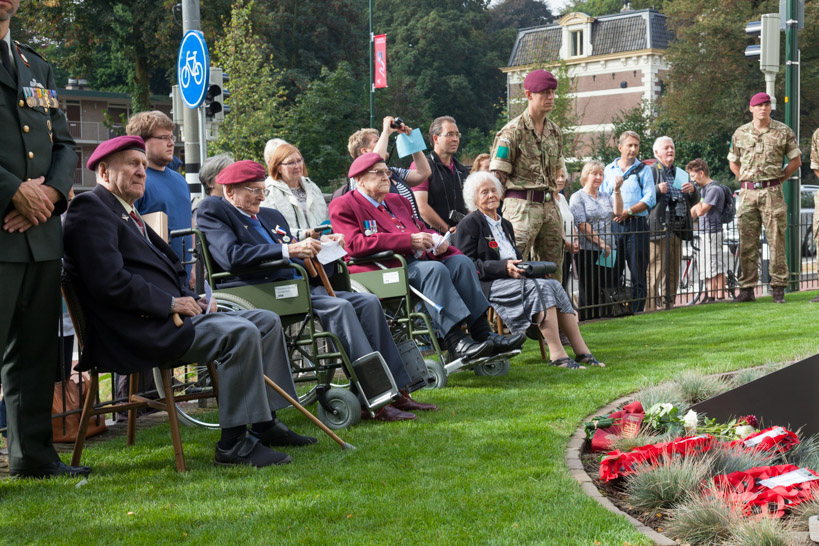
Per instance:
(235,244)
(125,285)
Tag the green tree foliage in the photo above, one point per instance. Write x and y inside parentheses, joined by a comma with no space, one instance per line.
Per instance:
(441,52)
(322,119)
(508,16)
(597,8)
(256,95)
(305,37)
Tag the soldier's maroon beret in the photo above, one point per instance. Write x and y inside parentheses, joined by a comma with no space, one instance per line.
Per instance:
(118,144)
(363,163)
(760,98)
(539,80)
(241,171)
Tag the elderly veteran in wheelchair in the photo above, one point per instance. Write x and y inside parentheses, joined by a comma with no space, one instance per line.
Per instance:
(131,284)
(523,303)
(241,234)
(374,220)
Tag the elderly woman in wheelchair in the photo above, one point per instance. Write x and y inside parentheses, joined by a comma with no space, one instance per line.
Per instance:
(524,304)
(241,234)
(373,220)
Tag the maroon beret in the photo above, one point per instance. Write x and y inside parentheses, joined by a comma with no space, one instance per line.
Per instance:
(241,171)
(539,80)
(363,163)
(118,144)
(760,98)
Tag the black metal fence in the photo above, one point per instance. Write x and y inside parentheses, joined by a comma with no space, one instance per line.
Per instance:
(654,270)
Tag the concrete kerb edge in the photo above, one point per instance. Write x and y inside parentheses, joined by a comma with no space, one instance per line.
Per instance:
(575,465)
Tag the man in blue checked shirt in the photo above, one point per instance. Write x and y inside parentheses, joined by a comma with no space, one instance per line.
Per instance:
(631,227)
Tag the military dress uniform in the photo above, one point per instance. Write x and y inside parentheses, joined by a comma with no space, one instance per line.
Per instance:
(34,142)
(531,162)
(761,155)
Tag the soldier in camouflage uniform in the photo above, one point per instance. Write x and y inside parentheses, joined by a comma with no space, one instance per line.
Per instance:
(756,157)
(526,157)
(814,164)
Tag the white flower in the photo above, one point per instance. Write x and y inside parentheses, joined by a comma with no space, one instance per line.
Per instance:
(690,422)
(743,431)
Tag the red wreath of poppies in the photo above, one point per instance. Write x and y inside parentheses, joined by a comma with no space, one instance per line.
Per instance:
(746,494)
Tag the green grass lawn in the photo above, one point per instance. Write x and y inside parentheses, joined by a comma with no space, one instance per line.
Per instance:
(487,468)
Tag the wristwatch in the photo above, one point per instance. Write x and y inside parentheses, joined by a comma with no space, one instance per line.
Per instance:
(629,212)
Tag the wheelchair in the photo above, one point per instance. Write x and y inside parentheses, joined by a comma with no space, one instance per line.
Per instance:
(409,321)
(322,371)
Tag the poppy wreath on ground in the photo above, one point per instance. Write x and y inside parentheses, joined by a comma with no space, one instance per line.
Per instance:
(771,439)
(617,464)
(601,431)
(754,492)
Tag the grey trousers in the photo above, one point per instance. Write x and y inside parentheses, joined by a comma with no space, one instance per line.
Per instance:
(358,320)
(246,345)
(453,284)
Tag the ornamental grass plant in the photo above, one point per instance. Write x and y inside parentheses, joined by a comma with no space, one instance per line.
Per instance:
(763,532)
(666,485)
(702,520)
(695,387)
(487,468)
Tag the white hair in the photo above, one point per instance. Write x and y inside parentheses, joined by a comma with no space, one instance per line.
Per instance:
(659,142)
(473,182)
(270,149)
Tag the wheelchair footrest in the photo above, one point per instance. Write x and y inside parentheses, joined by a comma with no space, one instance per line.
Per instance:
(460,364)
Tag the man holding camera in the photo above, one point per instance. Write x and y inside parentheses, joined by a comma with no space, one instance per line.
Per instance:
(527,157)
(440,198)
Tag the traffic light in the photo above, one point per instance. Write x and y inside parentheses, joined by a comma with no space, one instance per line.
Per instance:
(768,48)
(214,98)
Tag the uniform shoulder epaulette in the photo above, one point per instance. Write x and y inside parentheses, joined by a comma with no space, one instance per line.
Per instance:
(30,49)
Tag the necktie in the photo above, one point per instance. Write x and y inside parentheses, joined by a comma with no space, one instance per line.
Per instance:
(7,63)
(139,223)
(398,225)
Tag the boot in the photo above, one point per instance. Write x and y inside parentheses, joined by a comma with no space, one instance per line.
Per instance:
(778,294)
(745,294)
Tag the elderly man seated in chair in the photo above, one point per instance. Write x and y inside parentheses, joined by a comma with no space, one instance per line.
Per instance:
(374,220)
(241,234)
(131,284)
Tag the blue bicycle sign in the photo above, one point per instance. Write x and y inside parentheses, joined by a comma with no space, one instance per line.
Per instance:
(192,68)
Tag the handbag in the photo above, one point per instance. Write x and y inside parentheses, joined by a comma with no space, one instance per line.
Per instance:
(536,270)
(66,399)
(618,300)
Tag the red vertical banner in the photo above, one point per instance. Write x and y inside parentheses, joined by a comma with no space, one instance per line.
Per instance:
(380,61)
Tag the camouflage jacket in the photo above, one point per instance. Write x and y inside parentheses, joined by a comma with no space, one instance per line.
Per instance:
(530,160)
(762,154)
(814,151)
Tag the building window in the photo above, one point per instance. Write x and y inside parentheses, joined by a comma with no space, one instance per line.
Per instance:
(576,38)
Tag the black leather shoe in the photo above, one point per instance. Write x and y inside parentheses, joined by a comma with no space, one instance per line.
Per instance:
(57,468)
(279,435)
(469,349)
(504,344)
(249,451)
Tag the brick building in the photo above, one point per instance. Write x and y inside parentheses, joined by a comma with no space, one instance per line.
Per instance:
(616,62)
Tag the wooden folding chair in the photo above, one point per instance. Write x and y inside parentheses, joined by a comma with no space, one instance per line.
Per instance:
(93,407)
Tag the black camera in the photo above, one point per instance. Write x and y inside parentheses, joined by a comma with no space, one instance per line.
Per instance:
(456,216)
(397,123)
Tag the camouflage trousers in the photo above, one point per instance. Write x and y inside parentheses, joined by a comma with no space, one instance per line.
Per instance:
(755,208)
(538,230)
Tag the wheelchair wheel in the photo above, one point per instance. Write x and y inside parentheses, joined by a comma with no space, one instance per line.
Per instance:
(346,409)
(192,379)
(359,288)
(229,302)
(437,373)
(493,369)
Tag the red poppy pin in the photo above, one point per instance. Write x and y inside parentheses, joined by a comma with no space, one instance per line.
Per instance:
(493,245)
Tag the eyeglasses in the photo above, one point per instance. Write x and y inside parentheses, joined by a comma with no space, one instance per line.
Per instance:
(294,163)
(257,191)
(451,135)
(381,173)
(166,138)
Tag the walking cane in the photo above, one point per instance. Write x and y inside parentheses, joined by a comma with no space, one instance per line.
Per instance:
(314,269)
(319,424)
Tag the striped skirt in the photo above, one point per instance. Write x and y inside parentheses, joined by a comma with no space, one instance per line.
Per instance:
(517,307)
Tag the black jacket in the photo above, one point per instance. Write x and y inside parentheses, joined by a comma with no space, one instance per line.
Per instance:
(473,238)
(446,189)
(657,217)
